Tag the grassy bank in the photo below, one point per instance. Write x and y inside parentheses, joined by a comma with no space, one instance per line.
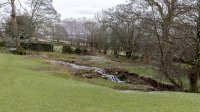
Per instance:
(104,62)
(26,88)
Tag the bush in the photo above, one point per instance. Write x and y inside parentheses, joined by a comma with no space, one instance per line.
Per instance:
(18,52)
(78,51)
(2,44)
(67,49)
(85,51)
(38,47)
(7,44)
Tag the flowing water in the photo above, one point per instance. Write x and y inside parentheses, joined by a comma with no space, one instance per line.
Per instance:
(99,71)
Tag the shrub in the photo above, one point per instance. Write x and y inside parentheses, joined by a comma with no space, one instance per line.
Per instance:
(85,51)
(38,47)
(78,51)
(18,52)
(67,49)
(2,44)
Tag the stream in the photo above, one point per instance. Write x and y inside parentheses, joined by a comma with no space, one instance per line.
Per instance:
(99,71)
(149,83)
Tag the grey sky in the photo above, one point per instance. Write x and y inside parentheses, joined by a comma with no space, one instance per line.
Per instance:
(83,8)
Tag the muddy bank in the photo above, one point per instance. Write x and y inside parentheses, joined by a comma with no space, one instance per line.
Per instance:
(133,78)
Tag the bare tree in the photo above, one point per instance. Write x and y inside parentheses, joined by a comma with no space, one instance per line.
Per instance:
(39,14)
(165,14)
(124,22)
(59,33)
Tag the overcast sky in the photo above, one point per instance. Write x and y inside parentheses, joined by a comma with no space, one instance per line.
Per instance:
(83,8)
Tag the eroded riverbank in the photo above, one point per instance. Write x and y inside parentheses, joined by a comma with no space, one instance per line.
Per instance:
(118,76)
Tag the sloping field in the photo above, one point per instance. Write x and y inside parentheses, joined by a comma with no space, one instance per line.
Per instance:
(23,89)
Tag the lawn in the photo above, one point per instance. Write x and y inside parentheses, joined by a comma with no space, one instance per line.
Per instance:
(26,89)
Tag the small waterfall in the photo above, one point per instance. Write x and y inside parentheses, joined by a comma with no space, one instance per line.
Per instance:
(110,77)
(113,78)
(99,71)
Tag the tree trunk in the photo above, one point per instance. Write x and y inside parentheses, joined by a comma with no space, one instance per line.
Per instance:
(116,53)
(146,56)
(165,62)
(193,77)
(146,59)
(193,82)
(105,52)
(14,23)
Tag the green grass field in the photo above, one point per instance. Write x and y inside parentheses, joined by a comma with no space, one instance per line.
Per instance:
(24,89)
